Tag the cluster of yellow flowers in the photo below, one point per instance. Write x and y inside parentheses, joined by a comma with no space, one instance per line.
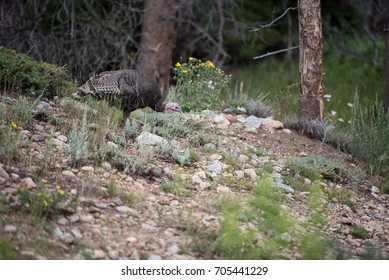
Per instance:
(193,61)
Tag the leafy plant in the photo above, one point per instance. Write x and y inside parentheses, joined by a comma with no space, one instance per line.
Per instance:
(315,167)
(43,199)
(78,142)
(370,131)
(19,72)
(359,232)
(199,84)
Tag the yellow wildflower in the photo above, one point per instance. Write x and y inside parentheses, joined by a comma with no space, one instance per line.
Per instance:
(181,169)
(57,187)
(14,125)
(27,205)
(202,64)
(43,181)
(178,64)
(39,194)
(210,64)
(191,58)
(45,203)
(185,71)
(102,222)
(228,175)
(61,192)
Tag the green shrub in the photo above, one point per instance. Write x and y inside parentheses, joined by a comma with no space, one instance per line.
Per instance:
(19,72)
(359,232)
(315,167)
(199,84)
(370,134)
(43,199)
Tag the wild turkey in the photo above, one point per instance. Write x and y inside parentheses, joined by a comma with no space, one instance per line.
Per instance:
(130,89)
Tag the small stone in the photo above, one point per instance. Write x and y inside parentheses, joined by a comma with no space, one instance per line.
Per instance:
(240,111)
(196,179)
(62,221)
(100,205)
(150,139)
(374,189)
(2,181)
(243,158)
(74,218)
(124,209)
(215,157)
(346,221)
(223,189)
(149,228)
(154,257)
(253,122)
(10,228)
(219,119)
(68,173)
(270,123)
(251,173)
(58,233)
(215,166)
(112,145)
(307,181)
(106,165)
(15,176)
(37,138)
(4,174)
(106,175)
(113,254)
(202,174)
(29,183)
(131,239)
(174,249)
(98,254)
(87,169)
(86,218)
(62,138)
(251,130)
(287,131)
(76,232)
(134,255)
(239,173)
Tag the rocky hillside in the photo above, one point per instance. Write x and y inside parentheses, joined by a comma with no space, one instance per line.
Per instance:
(77,183)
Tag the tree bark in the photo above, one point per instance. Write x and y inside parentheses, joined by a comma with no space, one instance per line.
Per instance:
(158,40)
(310,61)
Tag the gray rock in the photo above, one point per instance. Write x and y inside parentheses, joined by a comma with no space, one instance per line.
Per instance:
(149,139)
(239,173)
(134,255)
(88,169)
(210,146)
(113,254)
(98,254)
(154,257)
(29,183)
(112,145)
(74,218)
(283,187)
(62,138)
(215,157)
(253,122)
(4,174)
(68,173)
(124,209)
(174,249)
(270,123)
(196,180)
(215,166)
(106,165)
(10,228)
(223,189)
(2,181)
(374,189)
(251,173)
(62,221)
(76,233)
(37,138)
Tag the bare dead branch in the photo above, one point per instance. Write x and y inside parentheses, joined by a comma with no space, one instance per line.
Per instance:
(275,52)
(273,21)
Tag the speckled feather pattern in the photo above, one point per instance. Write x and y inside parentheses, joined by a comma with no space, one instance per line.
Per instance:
(129,88)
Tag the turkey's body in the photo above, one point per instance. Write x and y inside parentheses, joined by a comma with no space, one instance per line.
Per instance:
(130,89)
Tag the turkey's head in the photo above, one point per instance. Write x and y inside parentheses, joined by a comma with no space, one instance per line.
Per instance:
(172,107)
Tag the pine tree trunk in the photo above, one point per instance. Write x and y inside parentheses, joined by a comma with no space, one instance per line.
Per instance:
(157,40)
(310,61)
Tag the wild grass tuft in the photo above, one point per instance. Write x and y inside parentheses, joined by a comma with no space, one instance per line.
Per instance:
(370,134)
